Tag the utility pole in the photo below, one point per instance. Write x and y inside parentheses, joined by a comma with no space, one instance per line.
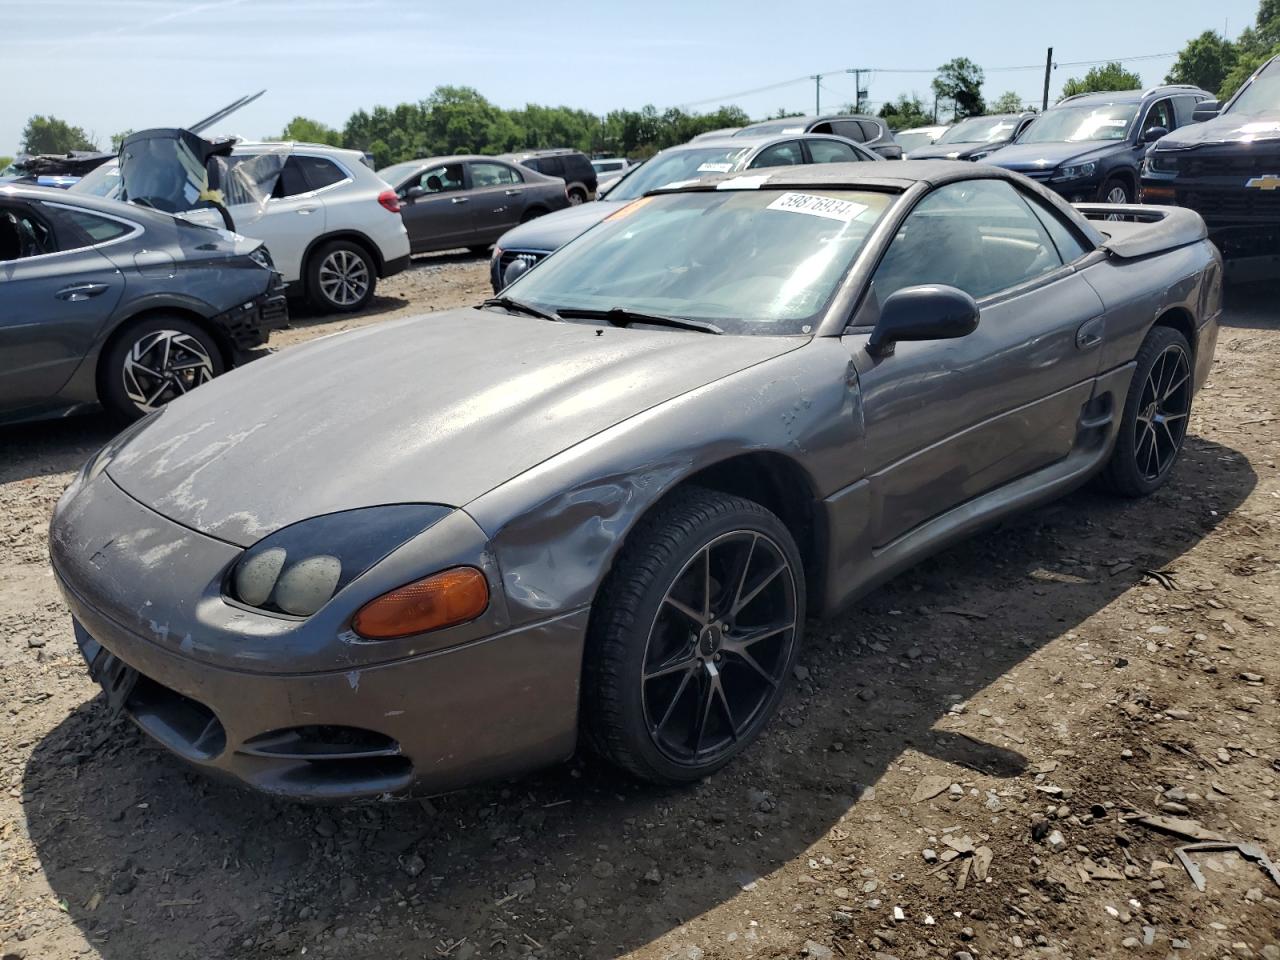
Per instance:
(817,93)
(857,86)
(1048,67)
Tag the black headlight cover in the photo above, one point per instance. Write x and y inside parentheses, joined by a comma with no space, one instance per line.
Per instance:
(296,570)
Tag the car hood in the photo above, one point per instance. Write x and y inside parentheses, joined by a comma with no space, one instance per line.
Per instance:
(953,151)
(1228,128)
(554,230)
(433,409)
(1046,156)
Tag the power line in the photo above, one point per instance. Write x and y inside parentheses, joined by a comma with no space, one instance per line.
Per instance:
(809,78)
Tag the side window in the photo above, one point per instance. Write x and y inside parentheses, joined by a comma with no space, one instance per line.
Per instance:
(1070,247)
(831,151)
(99,229)
(1160,115)
(23,234)
(1183,108)
(292,180)
(492,175)
(849,129)
(441,179)
(552,167)
(977,235)
(871,131)
(779,155)
(320,172)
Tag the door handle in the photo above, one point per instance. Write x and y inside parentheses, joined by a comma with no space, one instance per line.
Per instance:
(1089,335)
(310,208)
(512,193)
(82,291)
(460,199)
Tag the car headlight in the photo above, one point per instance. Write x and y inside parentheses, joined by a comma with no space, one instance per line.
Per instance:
(1158,164)
(1076,171)
(261,257)
(298,569)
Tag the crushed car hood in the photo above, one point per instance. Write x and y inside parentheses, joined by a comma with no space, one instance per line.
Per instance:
(433,409)
(1046,156)
(554,230)
(1229,128)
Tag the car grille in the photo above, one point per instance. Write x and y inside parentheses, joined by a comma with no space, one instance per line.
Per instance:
(498,268)
(1240,204)
(1228,166)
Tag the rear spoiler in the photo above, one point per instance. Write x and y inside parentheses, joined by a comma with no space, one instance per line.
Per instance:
(1135,230)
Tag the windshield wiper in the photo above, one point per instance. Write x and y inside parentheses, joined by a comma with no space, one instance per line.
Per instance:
(519,306)
(622,317)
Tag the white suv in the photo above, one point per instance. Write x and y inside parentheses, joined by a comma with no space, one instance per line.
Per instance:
(332,225)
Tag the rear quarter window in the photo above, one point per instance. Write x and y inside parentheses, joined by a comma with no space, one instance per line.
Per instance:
(320,172)
(99,229)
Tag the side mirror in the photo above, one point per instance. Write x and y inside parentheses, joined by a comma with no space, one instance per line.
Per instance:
(1206,110)
(413,193)
(1152,134)
(927,312)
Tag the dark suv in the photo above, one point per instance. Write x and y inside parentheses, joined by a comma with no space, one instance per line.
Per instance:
(1227,169)
(1090,146)
(571,166)
(871,132)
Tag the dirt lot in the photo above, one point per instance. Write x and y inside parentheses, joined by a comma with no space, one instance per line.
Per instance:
(956,772)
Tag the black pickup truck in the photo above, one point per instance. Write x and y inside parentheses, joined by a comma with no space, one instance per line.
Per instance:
(1227,169)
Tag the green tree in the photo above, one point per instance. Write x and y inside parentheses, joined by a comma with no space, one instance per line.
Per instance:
(51,135)
(960,81)
(4,162)
(906,112)
(306,130)
(1204,61)
(1008,102)
(1112,76)
(1254,47)
(117,140)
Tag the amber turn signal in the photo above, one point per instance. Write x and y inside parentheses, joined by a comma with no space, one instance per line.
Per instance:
(441,600)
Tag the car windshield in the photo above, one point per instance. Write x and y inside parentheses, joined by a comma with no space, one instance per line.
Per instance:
(399,171)
(101,181)
(1108,121)
(1262,94)
(747,261)
(676,165)
(910,141)
(979,130)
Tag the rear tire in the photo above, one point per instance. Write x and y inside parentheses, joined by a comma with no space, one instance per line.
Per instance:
(692,638)
(577,196)
(154,361)
(341,277)
(1153,426)
(1115,190)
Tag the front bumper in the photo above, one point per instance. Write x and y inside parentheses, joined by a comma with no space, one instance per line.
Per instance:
(248,325)
(260,709)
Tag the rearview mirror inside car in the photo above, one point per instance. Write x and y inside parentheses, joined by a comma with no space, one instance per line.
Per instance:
(1206,110)
(926,312)
(1152,134)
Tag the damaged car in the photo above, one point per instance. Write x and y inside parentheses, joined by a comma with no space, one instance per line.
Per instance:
(107,303)
(602,506)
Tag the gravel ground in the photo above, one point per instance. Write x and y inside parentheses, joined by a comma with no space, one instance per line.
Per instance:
(958,771)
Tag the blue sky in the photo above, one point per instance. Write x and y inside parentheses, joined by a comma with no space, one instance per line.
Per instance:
(110,65)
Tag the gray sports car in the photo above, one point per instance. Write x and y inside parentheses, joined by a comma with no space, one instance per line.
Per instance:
(106,302)
(604,504)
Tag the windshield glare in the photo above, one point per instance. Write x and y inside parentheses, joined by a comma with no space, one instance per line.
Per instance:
(101,181)
(1073,124)
(1262,94)
(979,130)
(399,171)
(748,261)
(911,141)
(676,165)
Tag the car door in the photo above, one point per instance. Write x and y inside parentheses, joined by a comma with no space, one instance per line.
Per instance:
(497,198)
(436,208)
(946,421)
(288,222)
(57,292)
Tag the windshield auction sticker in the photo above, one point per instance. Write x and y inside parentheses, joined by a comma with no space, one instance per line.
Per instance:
(815,206)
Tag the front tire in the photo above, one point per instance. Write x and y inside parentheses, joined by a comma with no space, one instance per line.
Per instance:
(1115,190)
(692,637)
(155,361)
(341,277)
(1154,423)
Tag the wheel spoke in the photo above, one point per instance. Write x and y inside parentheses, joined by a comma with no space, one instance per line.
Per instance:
(684,608)
(1177,385)
(684,662)
(671,707)
(706,699)
(741,578)
(745,657)
(757,589)
(748,638)
(728,713)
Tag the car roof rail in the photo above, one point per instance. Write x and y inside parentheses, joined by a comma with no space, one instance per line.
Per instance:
(1171,86)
